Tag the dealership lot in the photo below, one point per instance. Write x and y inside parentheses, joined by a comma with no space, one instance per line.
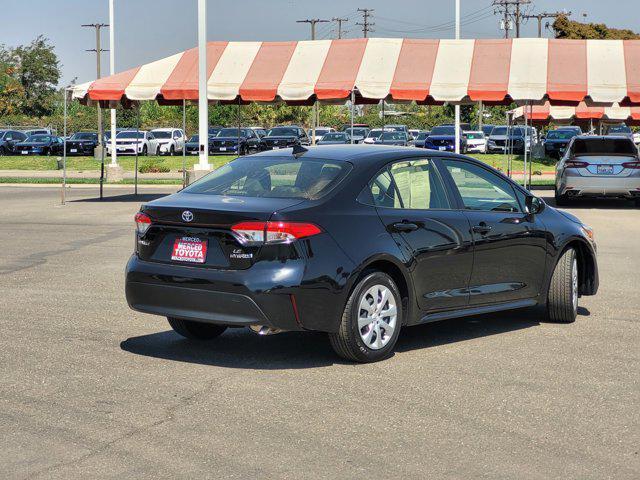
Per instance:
(90,388)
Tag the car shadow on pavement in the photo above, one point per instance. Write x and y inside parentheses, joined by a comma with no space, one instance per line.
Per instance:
(240,348)
(129,197)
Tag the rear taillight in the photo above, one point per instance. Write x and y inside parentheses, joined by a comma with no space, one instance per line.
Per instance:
(575,164)
(632,165)
(143,222)
(253,233)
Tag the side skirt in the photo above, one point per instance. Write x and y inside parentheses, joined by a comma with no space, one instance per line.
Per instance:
(466,312)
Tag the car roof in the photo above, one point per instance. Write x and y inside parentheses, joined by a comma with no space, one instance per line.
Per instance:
(167,129)
(602,137)
(362,153)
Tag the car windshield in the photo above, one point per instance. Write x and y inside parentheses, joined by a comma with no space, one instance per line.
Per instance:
(334,136)
(613,129)
(231,132)
(161,133)
(475,135)
(357,132)
(84,136)
(561,134)
(278,177)
(396,128)
(603,146)
(194,138)
(499,131)
(393,136)
(443,130)
(39,138)
(319,131)
(130,135)
(375,133)
(421,136)
(282,132)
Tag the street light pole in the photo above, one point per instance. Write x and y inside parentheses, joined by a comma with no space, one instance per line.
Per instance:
(457,107)
(112,71)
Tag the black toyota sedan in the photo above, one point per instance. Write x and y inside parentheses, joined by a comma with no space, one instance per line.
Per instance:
(357,242)
(40,145)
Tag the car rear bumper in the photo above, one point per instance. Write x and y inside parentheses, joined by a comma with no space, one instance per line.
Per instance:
(241,298)
(476,148)
(599,186)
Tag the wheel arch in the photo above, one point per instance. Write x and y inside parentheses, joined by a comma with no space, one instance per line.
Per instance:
(398,273)
(586,264)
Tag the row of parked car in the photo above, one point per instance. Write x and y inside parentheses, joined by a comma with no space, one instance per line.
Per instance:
(245,140)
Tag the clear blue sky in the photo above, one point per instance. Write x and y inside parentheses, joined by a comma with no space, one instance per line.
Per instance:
(150,29)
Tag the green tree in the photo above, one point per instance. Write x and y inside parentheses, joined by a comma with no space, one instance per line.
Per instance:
(565,28)
(38,71)
(11,91)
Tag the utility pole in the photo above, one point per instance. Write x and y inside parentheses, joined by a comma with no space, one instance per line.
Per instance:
(312,22)
(542,16)
(366,23)
(99,50)
(510,9)
(315,113)
(339,20)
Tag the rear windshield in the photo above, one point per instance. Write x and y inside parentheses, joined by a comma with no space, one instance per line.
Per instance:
(278,177)
(561,134)
(603,146)
(130,135)
(39,138)
(394,136)
(232,132)
(421,136)
(613,129)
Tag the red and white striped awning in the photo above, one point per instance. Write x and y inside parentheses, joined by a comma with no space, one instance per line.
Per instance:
(424,70)
(546,112)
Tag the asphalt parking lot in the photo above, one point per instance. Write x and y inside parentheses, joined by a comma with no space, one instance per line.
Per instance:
(91,389)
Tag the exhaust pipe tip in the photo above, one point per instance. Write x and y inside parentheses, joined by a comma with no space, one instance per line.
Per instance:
(263,330)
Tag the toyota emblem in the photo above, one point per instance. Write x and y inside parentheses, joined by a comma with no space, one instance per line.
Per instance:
(187,216)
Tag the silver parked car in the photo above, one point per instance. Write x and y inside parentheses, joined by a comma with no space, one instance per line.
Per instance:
(598,166)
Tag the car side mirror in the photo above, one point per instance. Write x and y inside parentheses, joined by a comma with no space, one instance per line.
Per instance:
(534,205)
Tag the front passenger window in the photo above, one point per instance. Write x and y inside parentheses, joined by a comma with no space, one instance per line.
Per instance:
(480,189)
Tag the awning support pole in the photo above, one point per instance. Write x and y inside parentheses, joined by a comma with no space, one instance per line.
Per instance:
(64,150)
(203,104)
(353,101)
(135,181)
(531,142)
(524,147)
(184,143)
(313,122)
(384,121)
(239,126)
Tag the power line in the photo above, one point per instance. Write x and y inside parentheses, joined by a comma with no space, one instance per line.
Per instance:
(339,21)
(312,22)
(542,16)
(443,28)
(366,23)
(510,9)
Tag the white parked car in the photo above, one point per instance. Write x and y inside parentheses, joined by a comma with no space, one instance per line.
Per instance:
(476,142)
(171,140)
(636,138)
(320,132)
(128,141)
(374,133)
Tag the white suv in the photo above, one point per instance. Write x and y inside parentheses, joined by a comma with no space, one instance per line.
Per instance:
(171,140)
(128,140)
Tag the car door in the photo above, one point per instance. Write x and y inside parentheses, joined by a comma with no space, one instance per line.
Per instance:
(413,205)
(509,244)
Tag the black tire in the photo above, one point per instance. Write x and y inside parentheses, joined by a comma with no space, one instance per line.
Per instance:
(561,200)
(562,301)
(636,202)
(3,151)
(144,151)
(172,151)
(196,330)
(347,341)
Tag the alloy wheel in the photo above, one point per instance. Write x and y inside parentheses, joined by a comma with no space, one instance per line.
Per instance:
(377,316)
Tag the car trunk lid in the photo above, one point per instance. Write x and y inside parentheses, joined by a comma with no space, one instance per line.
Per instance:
(203,221)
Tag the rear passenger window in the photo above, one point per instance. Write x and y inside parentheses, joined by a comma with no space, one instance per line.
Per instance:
(411,185)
